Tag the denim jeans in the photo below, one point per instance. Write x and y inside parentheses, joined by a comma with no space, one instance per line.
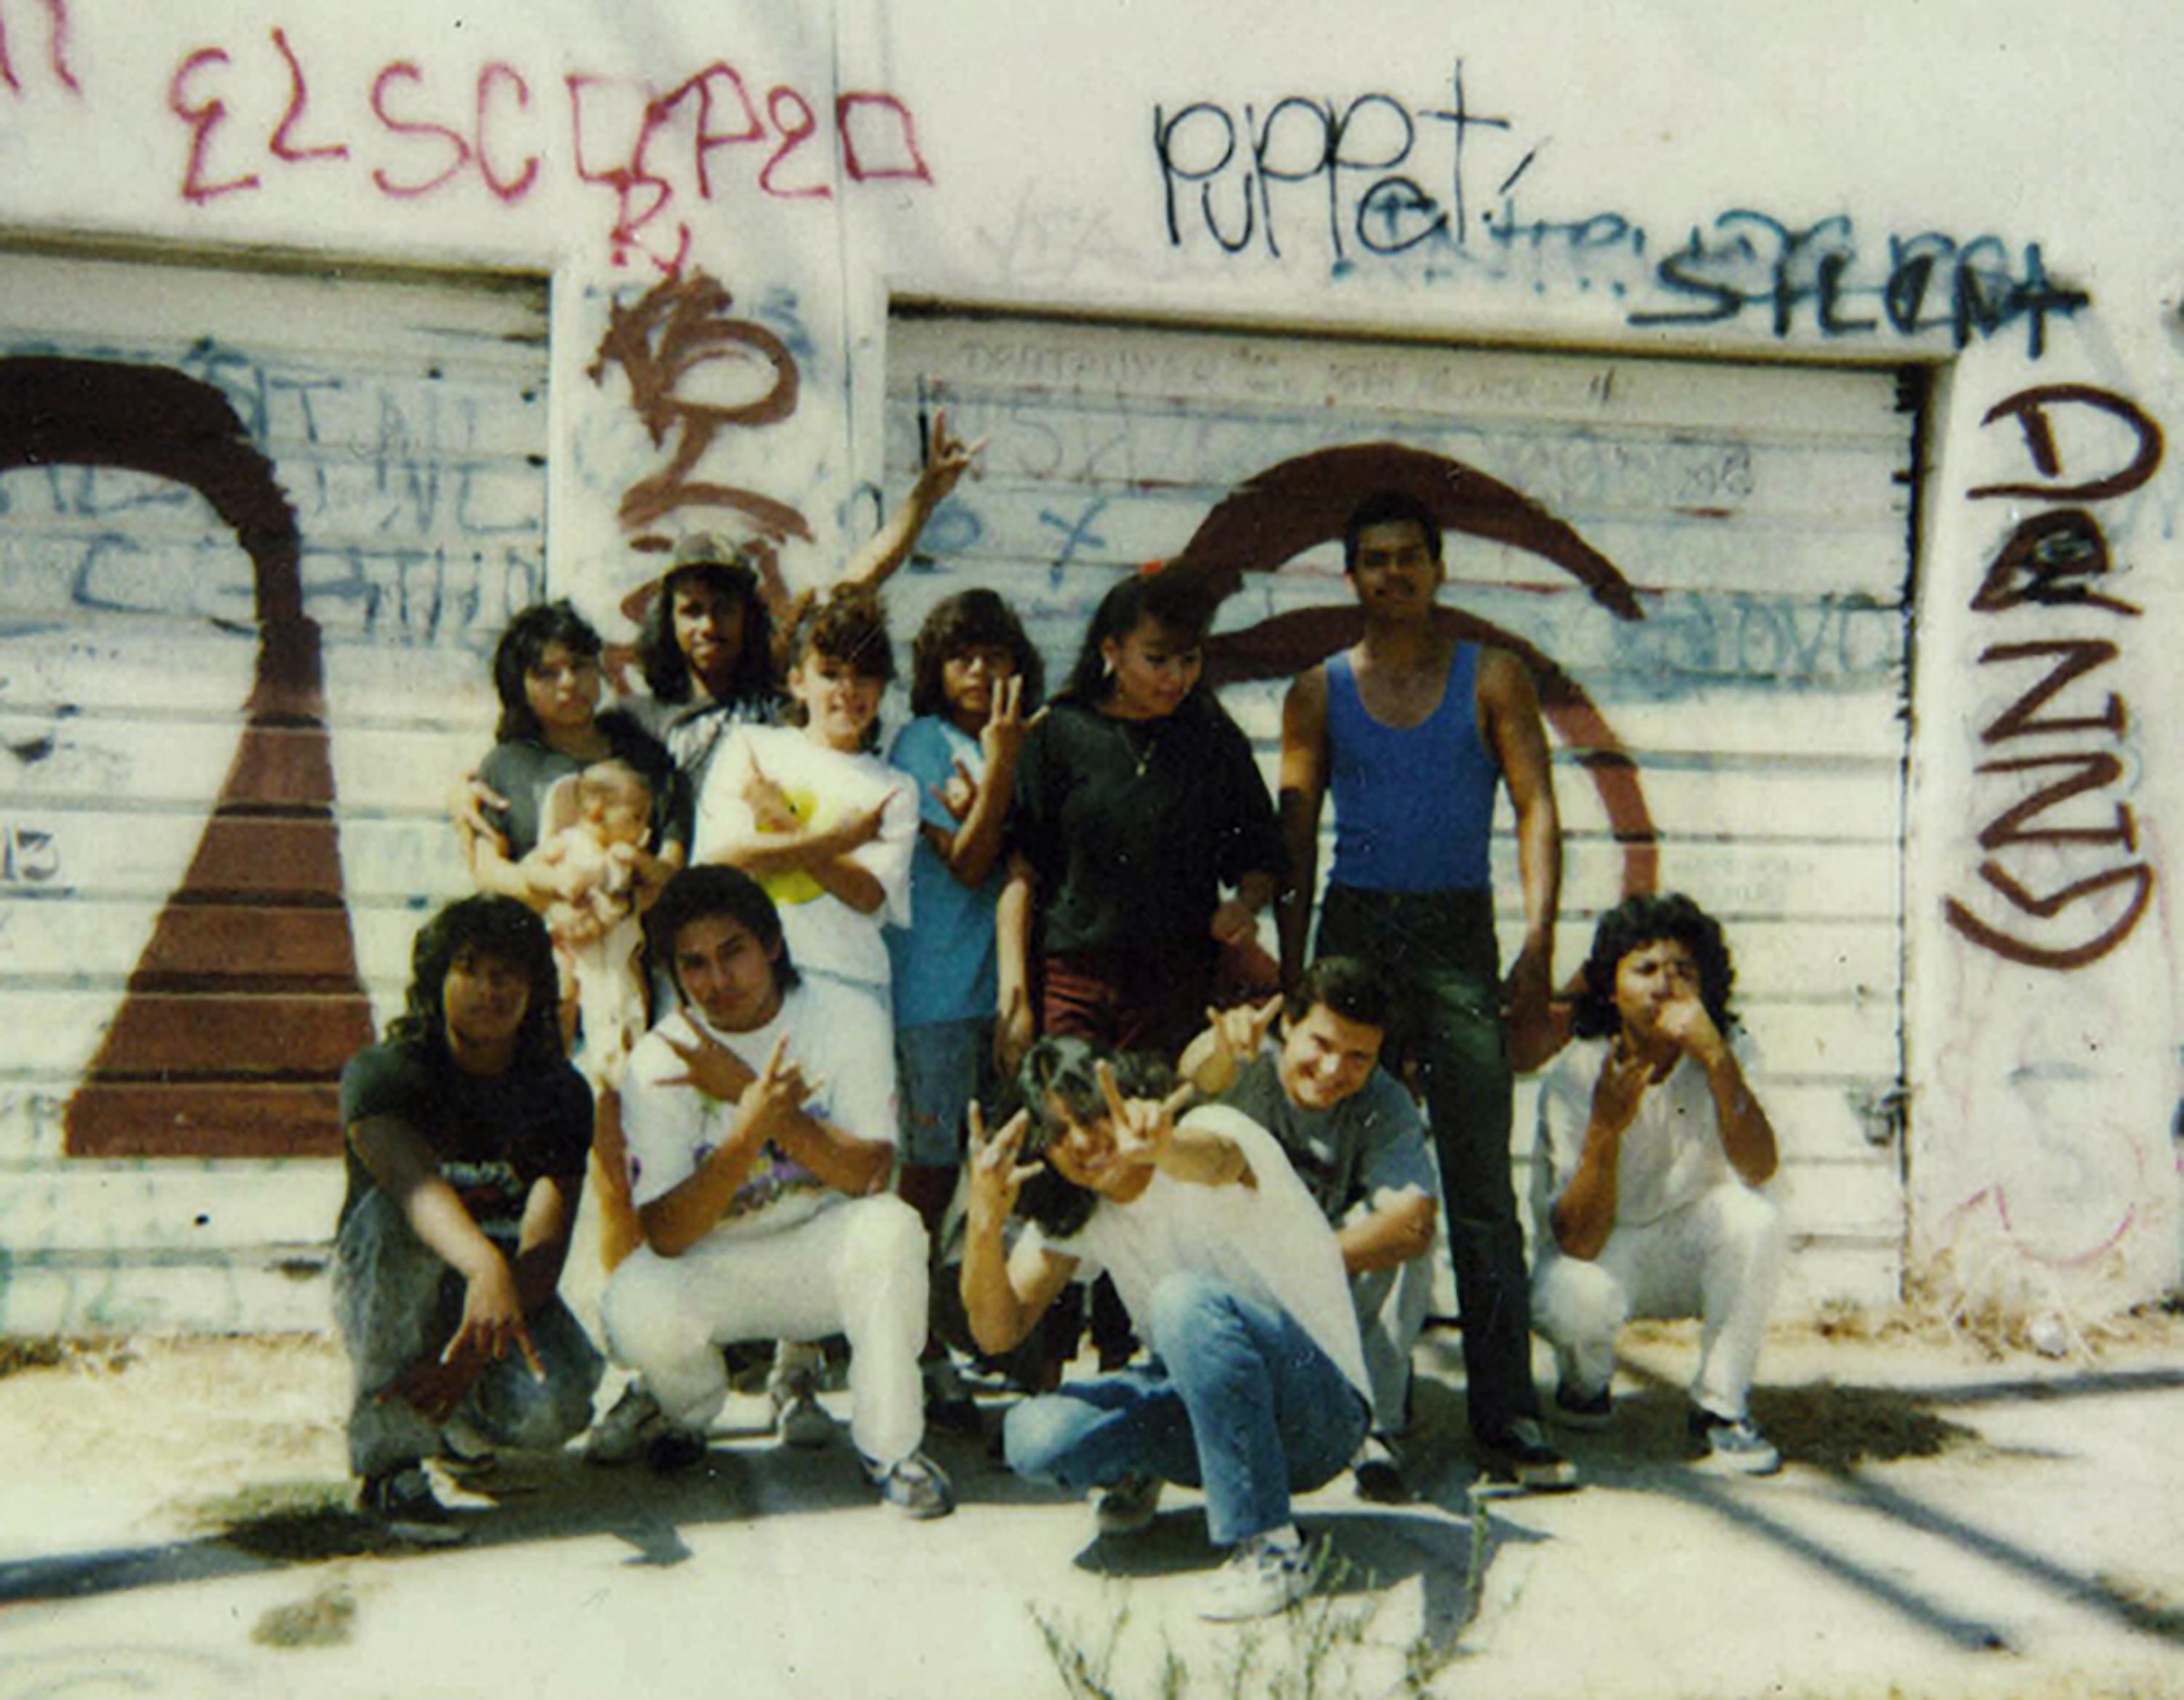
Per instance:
(1437,952)
(396,1300)
(1240,1401)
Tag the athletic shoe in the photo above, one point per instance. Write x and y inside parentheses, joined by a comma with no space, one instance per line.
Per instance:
(1378,1470)
(1734,1446)
(949,1407)
(798,1418)
(672,1449)
(1520,1453)
(402,1502)
(1576,1410)
(919,1486)
(624,1434)
(1128,1506)
(1259,1579)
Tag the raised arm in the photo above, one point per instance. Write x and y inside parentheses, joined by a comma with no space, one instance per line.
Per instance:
(947,459)
(973,847)
(1303,778)
(1004,1294)
(1582,1215)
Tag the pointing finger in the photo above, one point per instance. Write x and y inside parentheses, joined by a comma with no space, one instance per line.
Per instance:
(1104,1072)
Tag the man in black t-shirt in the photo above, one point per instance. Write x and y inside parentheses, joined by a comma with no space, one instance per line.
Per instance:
(467,1133)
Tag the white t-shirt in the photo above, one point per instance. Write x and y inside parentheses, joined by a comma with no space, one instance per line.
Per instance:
(1268,1240)
(1671,1153)
(821,785)
(672,1129)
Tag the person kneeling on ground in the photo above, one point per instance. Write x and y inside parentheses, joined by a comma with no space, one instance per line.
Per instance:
(1257,1388)
(467,1132)
(1356,1141)
(758,1137)
(1648,1173)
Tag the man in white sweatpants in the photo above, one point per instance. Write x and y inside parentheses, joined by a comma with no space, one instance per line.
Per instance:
(1650,1177)
(757,1142)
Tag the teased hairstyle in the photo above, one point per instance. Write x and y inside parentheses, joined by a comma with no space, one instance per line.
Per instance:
(1066,1069)
(970,620)
(1353,988)
(521,648)
(1635,923)
(666,669)
(1388,507)
(848,625)
(498,927)
(714,889)
(1177,602)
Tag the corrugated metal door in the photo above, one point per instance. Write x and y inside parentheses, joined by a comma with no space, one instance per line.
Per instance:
(1707,564)
(257,531)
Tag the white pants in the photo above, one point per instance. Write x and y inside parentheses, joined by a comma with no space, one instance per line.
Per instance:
(1391,1306)
(856,1268)
(1718,1258)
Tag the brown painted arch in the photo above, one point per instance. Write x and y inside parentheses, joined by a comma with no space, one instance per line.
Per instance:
(1298,503)
(234,1023)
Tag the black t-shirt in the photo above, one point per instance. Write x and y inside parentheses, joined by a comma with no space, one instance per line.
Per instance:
(495,1134)
(1134,827)
(523,769)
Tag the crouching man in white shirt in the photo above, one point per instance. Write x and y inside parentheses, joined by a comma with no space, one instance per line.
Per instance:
(758,1137)
(1257,1387)
(1650,1177)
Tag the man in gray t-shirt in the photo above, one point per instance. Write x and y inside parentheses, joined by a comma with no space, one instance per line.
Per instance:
(1354,1138)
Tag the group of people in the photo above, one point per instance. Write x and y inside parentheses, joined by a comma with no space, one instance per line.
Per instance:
(1007,967)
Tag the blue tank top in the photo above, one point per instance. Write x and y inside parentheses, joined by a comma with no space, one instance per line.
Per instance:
(1413,807)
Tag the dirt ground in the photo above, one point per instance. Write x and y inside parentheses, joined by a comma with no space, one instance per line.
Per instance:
(1955,1517)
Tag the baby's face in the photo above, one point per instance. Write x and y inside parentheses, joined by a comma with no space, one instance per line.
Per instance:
(620,823)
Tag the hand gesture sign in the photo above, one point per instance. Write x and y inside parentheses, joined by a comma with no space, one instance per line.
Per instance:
(1240,1032)
(1003,734)
(711,1067)
(1141,1127)
(947,459)
(491,1322)
(771,810)
(779,1091)
(1623,1078)
(1684,1019)
(996,1176)
(959,794)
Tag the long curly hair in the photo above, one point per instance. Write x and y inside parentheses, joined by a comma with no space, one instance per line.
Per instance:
(521,648)
(970,620)
(1635,923)
(753,682)
(498,927)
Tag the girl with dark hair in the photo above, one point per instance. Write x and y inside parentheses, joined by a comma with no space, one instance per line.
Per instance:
(467,1138)
(546,672)
(1138,804)
(975,678)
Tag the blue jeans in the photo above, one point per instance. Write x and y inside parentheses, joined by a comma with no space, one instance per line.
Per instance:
(1240,1400)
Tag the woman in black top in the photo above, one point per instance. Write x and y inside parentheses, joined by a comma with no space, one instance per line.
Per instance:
(1144,840)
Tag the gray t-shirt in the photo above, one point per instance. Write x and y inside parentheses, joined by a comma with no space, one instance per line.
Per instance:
(1370,1144)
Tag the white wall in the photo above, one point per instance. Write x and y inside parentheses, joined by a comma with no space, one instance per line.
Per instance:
(1976,188)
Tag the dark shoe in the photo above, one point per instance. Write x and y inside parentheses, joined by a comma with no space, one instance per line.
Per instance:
(1520,1454)
(1128,1506)
(670,1450)
(1734,1446)
(798,1418)
(949,1409)
(627,1432)
(1576,1410)
(1379,1472)
(402,1502)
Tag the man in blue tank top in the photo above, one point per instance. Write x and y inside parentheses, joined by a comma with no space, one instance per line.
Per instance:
(1413,731)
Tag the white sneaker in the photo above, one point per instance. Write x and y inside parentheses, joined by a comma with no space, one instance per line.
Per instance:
(1732,1446)
(624,1434)
(1128,1506)
(1260,1579)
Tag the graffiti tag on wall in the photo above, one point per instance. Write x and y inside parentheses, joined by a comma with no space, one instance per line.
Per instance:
(421,130)
(1442,191)
(2054,562)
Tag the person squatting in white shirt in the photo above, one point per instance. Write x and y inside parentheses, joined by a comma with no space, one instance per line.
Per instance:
(1650,1176)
